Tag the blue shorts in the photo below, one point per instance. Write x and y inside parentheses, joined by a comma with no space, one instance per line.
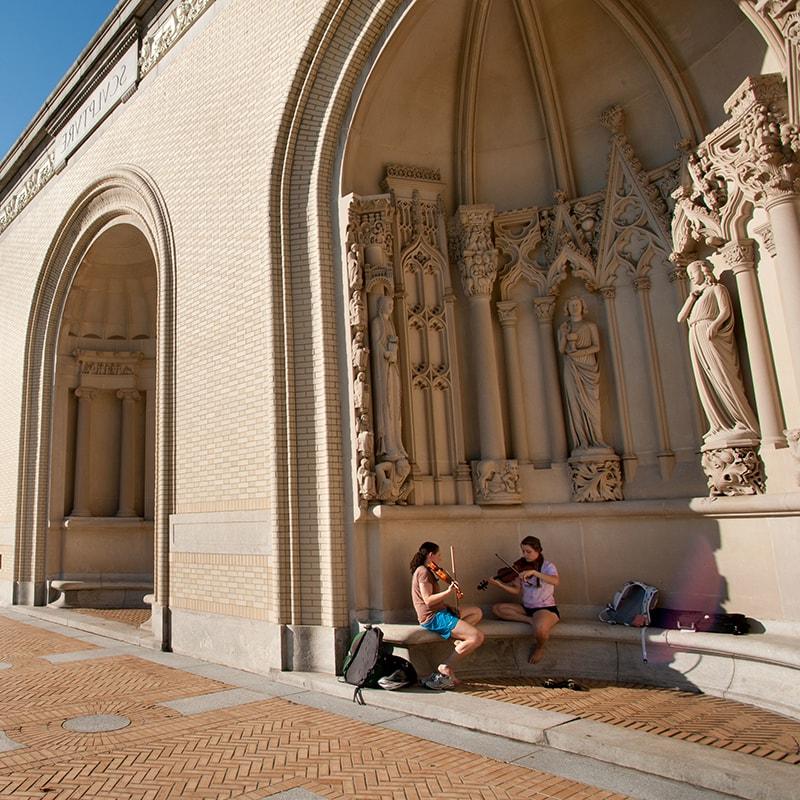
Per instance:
(442,622)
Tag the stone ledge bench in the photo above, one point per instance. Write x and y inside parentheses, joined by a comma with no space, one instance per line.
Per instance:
(762,669)
(107,593)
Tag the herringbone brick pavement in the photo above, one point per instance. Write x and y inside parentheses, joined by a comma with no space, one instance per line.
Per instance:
(22,643)
(668,712)
(135,617)
(248,751)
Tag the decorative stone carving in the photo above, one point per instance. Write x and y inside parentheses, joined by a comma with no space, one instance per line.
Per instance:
(579,344)
(358,313)
(360,357)
(596,477)
(476,254)
(156,44)
(715,361)
(29,187)
(366,480)
(757,149)
(733,471)
(355,266)
(365,441)
(496,481)
(393,481)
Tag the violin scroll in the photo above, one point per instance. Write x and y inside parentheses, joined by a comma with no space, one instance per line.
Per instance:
(504,575)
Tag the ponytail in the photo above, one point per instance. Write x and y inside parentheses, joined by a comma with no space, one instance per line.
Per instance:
(421,556)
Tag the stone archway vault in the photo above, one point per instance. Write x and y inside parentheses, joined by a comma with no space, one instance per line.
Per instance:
(128,194)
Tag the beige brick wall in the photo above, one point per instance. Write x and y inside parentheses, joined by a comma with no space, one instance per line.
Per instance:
(217,583)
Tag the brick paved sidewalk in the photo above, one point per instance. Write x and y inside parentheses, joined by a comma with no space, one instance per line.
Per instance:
(178,743)
(682,715)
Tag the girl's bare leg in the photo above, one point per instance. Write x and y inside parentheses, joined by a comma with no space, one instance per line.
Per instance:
(468,638)
(542,622)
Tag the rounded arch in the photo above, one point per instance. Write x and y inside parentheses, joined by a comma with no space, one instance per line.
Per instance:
(129,195)
(333,70)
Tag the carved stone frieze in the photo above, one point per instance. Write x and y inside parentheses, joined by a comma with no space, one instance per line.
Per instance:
(496,482)
(156,44)
(733,471)
(411,173)
(475,251)
(31,185)
(596,477)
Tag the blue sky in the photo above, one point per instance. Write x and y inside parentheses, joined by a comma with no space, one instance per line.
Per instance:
(39,41)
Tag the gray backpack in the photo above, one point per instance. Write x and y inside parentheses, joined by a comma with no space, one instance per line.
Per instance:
(632,605)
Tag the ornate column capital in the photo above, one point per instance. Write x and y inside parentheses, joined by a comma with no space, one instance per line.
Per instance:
(475,252)
(739,256)
(608,292)
(128,395)
(642,283)
(84,393)
(507,313)
(545,308)
(757,148)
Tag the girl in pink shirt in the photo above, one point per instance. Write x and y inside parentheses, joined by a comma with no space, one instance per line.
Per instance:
(536,583)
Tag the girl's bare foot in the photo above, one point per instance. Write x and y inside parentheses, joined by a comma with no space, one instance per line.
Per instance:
(537,654)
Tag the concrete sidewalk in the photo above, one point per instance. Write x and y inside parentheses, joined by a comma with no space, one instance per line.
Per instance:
(514,744)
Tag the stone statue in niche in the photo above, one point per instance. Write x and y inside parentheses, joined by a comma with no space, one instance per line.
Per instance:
(579,343)
(715,362)
(386,379)
(360,352)
(361,391)
(366,480)
(364,438)
(356,309)
(355,263)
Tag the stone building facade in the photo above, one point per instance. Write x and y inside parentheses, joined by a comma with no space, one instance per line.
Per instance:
(288,290)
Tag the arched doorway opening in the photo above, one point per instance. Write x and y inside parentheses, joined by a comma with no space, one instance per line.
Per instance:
(101,490)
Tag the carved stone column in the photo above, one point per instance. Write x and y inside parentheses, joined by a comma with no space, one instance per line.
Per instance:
(127,454)
(666,458)
(545,307)
(507,313)
(740,259)
(757,151)
(495,479)
(629,458)
(80,500)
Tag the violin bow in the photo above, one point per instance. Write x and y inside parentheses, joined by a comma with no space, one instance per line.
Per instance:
(453,571)
(511,566)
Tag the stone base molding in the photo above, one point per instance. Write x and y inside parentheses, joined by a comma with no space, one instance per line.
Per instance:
(596,477)
(733,471)
(496,482)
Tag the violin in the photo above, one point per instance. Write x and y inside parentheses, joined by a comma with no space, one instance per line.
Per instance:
(507,573)
(443,575)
